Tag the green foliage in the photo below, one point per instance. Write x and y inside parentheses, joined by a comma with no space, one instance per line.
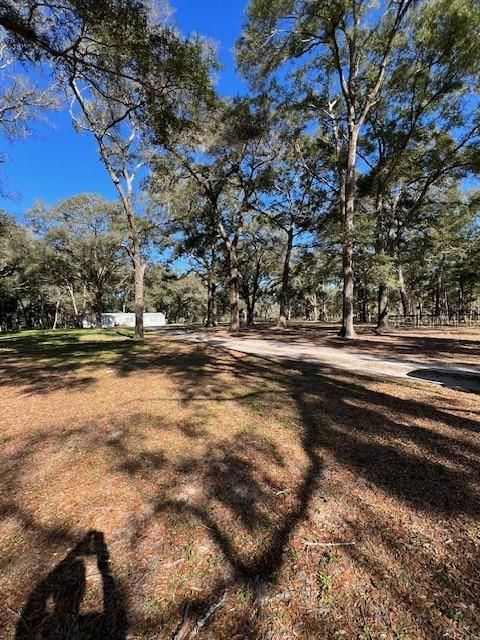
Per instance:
(25,291)
(240,191)
(82,248)
(181,297)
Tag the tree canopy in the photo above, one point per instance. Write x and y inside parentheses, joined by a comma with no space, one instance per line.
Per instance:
(340,187)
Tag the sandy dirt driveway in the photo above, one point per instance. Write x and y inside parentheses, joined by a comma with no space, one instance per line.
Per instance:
(345,356)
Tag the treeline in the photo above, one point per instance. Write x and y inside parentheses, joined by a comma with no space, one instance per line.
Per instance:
(68,262)
(336,188)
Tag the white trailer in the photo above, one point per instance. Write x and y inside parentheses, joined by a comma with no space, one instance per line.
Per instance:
(111,320)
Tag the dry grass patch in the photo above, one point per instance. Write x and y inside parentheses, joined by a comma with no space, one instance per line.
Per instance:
(230,497)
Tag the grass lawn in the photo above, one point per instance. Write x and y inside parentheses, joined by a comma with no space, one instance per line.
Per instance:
(169,490)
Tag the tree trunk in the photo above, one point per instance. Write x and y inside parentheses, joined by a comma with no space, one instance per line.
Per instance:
(98,309)
(437,296)
(347,331)
(234,273)
(234,290)
(324,303)
(382,320)
(214,306)
(42,312)
(139,274)
(314,302)
(19,302)
(252,302)
(211,303)
(365,304)
(133,248)
(234,308)
(461,307)
(208,321)
(211,320)
(250,313)
(406,306)
(74,302)
(282,319)
(98,314)
(55,320)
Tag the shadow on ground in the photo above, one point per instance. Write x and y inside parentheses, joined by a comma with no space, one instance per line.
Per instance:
(449,379)
(52,611)
(422,346)
(248,491)
(63,360)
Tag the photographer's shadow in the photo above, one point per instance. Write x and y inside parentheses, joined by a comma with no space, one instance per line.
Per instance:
(52,611)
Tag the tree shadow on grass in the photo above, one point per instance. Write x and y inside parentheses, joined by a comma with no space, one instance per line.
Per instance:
(403,347)
(41,365)
(399,345)
(337,416)
(450,379)
(53,609)
(67,360)
(413,452)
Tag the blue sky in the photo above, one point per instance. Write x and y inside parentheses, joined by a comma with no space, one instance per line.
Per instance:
(56,162)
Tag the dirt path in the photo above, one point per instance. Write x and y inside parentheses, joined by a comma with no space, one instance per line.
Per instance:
(328,357)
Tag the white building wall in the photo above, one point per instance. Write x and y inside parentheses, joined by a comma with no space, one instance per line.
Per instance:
(156,319)
(110,320)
